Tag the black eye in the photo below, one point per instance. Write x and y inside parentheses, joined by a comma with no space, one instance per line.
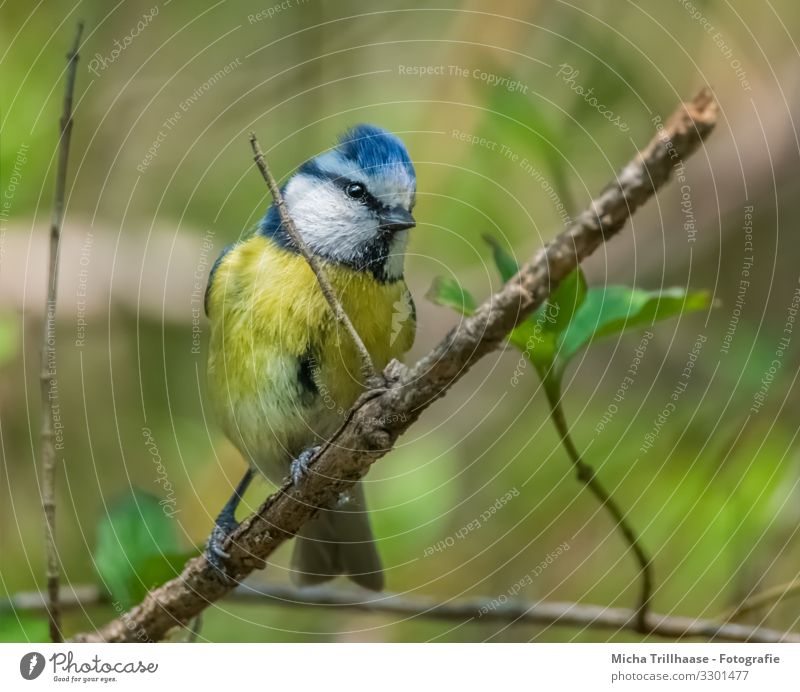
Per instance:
(356,190)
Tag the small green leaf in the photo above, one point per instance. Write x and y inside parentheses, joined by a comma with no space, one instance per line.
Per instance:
(614,309)
(506,264)
(448,293)
(537,337)
(134,532)
(536,343)
(557,312)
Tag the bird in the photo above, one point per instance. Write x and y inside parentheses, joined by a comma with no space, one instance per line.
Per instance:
(282,372)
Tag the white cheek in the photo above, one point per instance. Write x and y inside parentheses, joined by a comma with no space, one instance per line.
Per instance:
(328,223)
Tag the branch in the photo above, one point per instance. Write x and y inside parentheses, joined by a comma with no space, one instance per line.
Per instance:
(765,598)
(587,475)
(476,610)
(367,367)
(48,379)
(382,414)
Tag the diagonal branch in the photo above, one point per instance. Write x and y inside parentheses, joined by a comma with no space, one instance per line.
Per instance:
(367,367)
(477,610)
(48,380)
(382,414)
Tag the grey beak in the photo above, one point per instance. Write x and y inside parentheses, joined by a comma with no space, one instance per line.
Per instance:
(397,219)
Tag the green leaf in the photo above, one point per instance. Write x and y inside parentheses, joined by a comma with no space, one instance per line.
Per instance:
(537,337)
(448,293)
(614,309)
(559,308)
(135,533)
(536,343)
(506,264)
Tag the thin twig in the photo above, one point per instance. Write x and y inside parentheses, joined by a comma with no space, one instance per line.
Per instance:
(586,475)
(764,598)
(367,366)
(382,414)
(49,382)
(476,610)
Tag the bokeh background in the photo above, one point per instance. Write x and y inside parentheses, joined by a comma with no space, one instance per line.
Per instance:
(161,178)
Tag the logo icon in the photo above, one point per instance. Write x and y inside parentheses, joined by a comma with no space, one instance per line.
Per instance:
(31,665)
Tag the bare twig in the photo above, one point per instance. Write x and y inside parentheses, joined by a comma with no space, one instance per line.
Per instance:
(381,415)
(763,599)
(476,610)
(49,383)
(586,475)
(367,367)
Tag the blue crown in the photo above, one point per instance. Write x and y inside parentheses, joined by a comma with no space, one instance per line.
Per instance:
(373,148)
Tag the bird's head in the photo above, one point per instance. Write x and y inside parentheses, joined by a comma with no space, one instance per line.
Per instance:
(352,204)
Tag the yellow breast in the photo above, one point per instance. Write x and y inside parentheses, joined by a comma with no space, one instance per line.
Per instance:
(267,315)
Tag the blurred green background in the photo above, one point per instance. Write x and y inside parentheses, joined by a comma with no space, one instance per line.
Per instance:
(493,103)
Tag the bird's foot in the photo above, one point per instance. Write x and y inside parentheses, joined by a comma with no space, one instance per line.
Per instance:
(224,526)
(299,466)
(216,554)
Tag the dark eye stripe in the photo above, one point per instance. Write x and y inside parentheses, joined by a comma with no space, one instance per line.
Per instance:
(367,199)
(341,182)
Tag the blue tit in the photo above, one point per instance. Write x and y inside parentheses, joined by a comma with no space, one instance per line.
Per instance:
(282,373)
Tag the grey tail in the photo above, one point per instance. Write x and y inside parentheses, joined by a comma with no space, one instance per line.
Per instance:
(338,542)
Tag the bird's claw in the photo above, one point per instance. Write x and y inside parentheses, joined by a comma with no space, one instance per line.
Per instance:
(299,466)
(216,554)
(224,526)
